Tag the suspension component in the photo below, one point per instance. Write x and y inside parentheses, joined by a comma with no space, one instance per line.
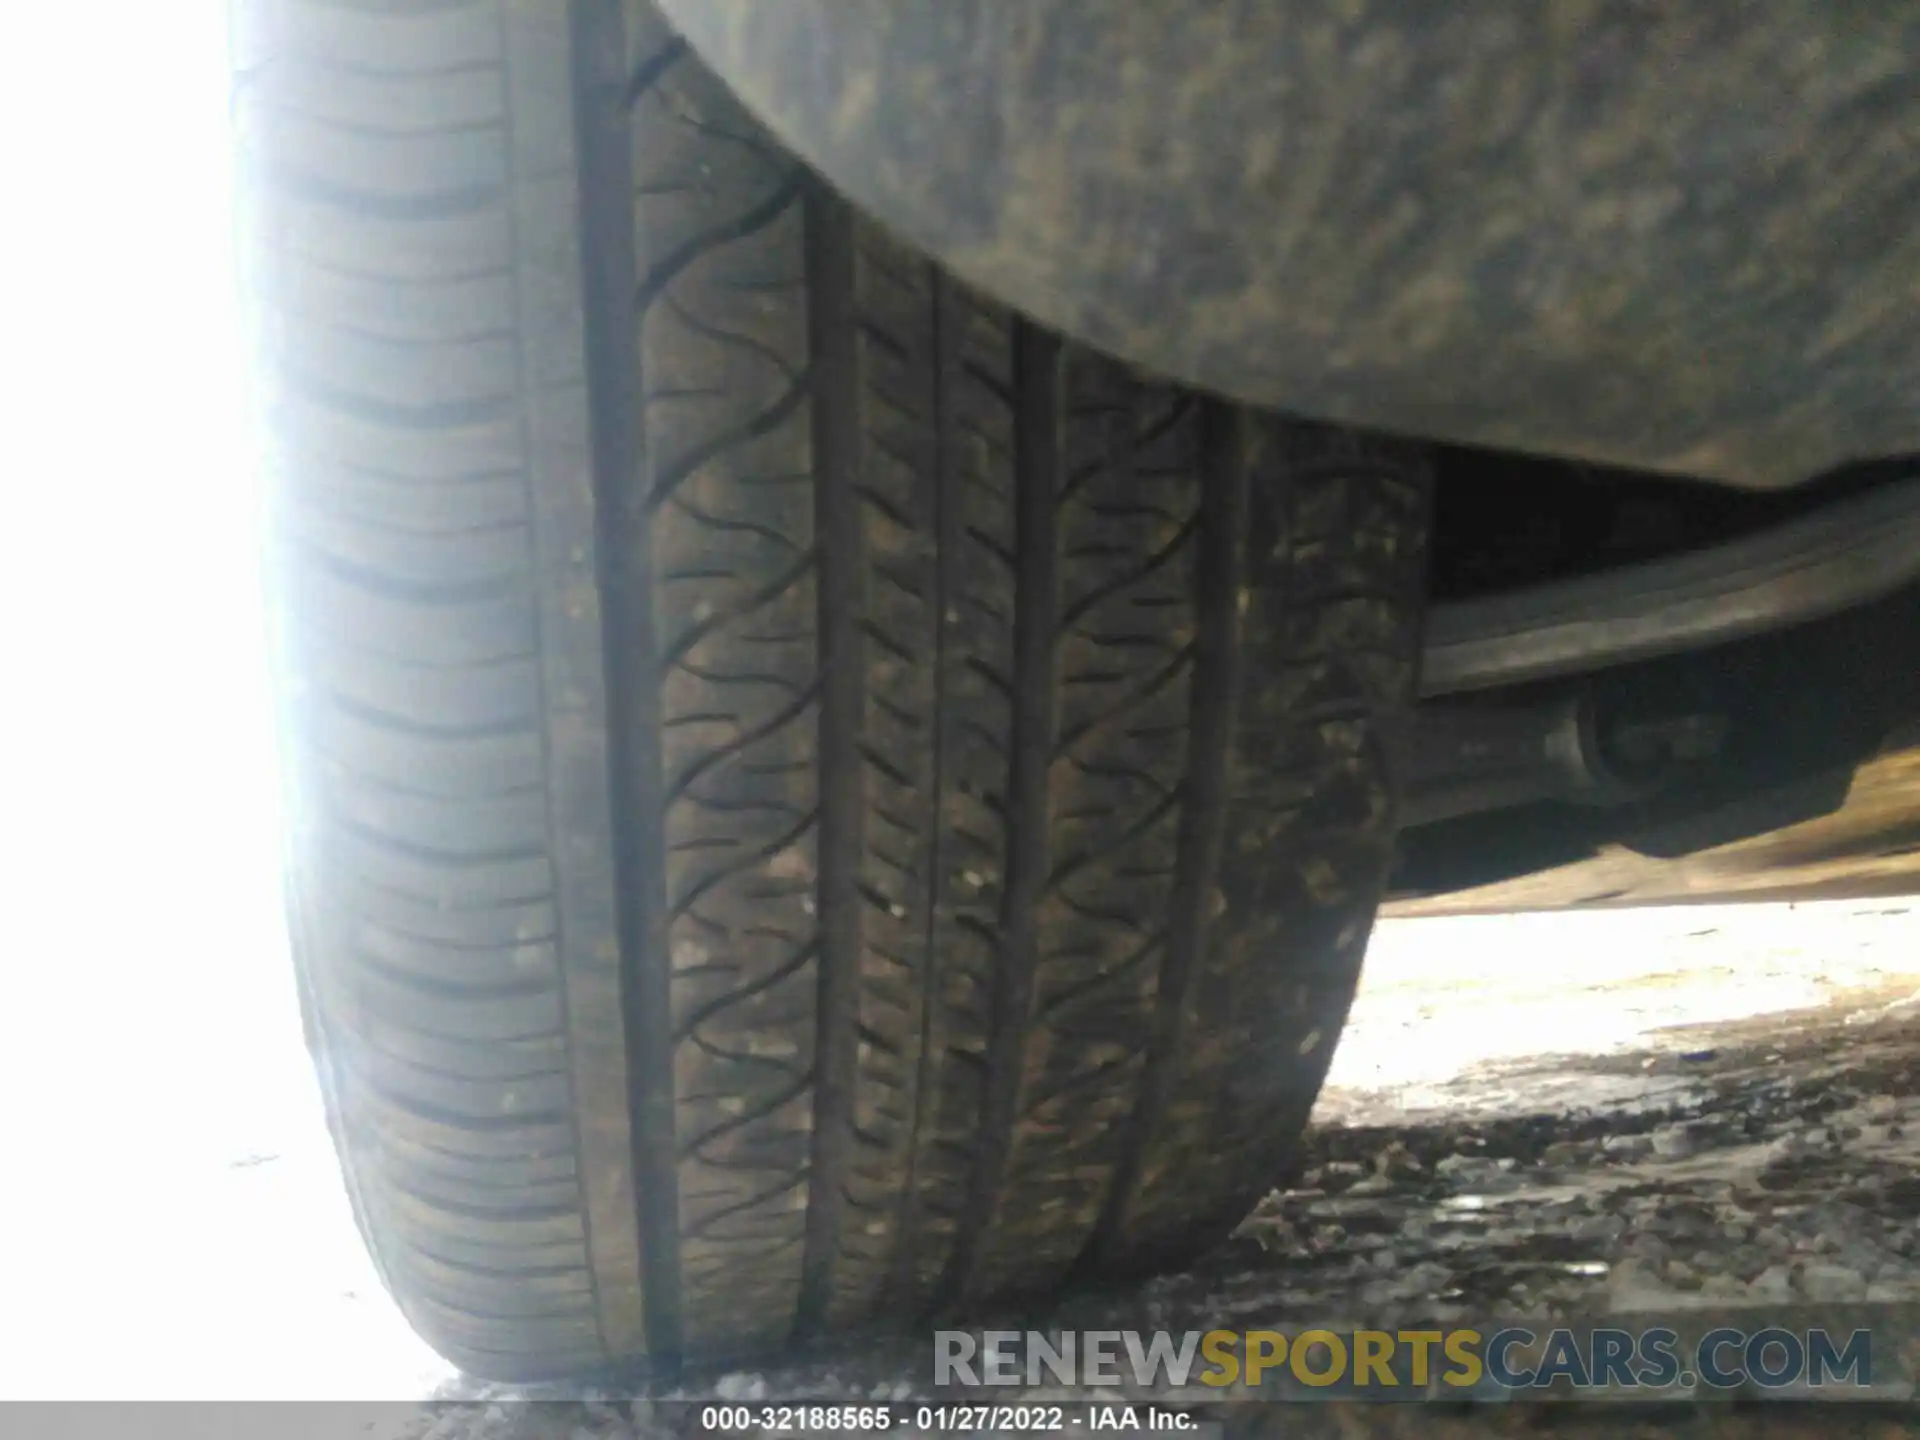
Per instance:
(1470,758)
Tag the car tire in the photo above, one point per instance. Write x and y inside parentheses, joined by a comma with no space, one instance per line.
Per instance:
(810,795)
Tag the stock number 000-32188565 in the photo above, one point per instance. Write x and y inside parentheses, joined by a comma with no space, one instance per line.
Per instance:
(853,1419)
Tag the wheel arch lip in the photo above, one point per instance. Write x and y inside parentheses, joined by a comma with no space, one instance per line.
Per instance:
(1673,237)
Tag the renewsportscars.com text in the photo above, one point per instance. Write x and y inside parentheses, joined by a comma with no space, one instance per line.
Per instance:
(1507,1359)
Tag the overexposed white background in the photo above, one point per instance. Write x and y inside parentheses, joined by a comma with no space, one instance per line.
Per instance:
(150,1058)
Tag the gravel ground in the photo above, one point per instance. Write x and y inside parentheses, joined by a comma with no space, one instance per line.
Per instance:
(1655,1172)
(1664,1113)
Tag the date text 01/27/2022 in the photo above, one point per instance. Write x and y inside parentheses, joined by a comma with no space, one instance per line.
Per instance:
(938,1419)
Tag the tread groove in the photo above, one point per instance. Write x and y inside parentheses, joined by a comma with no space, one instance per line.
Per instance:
(931,1028)
(623,559)
(836,440)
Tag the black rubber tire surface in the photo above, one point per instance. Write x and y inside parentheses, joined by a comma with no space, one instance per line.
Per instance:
(809,795)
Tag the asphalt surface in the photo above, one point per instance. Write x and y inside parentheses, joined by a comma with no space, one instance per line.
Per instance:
(1545,1132)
